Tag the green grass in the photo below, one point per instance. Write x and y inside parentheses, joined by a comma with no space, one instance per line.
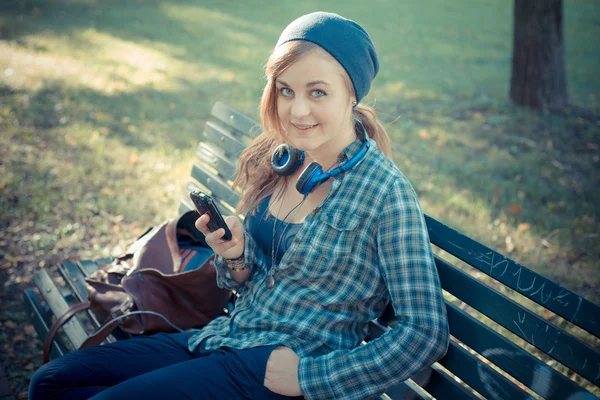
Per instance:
(103,102)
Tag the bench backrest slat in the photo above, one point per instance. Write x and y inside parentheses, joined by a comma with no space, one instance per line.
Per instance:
(543,291)
(553,341)
(220,189)
(231,145)
(238,122)
(471,370)
(217,160)
(508,356)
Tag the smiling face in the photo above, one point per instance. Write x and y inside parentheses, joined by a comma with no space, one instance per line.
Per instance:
(314,106)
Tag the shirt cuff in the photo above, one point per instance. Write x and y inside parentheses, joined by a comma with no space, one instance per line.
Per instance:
(313,377)
(224,279)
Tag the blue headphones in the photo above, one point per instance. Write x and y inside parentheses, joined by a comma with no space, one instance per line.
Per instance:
(287,159)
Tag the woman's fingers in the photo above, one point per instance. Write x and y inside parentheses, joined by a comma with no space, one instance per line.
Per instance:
(215,239)
(202,224)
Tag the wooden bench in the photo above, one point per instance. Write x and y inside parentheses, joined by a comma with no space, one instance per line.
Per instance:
(500,348)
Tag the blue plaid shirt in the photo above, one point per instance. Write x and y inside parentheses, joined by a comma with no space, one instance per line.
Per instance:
(366,245)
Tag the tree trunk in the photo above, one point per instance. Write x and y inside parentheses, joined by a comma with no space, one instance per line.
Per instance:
(538,68)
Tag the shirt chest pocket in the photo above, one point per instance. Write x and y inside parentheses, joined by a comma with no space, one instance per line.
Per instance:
(335,235)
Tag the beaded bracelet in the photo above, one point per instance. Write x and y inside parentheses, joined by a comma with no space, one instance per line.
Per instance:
(237,264)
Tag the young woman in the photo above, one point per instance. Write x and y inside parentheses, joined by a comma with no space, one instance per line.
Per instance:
(333,233)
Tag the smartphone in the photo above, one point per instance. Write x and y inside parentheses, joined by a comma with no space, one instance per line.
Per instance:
(205,204)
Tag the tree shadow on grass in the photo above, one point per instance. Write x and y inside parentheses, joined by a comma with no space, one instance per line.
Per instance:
(184,28)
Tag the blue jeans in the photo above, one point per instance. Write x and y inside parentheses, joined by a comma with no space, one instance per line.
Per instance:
(154,367)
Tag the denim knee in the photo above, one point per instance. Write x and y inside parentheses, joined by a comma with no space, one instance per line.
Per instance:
(42,382)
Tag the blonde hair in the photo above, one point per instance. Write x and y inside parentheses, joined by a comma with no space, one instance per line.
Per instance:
(255,176)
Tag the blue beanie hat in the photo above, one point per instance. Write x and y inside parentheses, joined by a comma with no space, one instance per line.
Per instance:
(344,39)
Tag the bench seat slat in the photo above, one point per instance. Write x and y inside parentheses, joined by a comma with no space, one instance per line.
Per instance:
(41,321)
(74,277)
(240,123)
(88,267)
(49,291)
(443,386)
(399,392)
(552,340)
(543,291)
(481,377)
(509,357)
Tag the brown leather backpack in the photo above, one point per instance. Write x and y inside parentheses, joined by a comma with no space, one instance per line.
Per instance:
(145,292)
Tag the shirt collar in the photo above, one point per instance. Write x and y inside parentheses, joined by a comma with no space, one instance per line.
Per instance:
(353,148)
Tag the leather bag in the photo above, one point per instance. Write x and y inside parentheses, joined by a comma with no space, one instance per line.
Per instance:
(148,291)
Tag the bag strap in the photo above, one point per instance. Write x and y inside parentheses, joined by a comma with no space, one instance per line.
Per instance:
(95,338)
(108,326)
(60,322)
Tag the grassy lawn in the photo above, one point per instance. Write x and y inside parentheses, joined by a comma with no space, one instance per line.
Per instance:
(103,102)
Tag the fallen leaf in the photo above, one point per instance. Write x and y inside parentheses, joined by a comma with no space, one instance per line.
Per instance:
(29,366)
(18,338)
(510,246)
(558,165)
(423,134)
(133,158)
(106,191)
(515,208)
(563,182)
(592,146)
(10,324)
(30,330)
(523,226)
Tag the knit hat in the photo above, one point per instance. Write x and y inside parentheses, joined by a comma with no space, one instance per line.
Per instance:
(344,39)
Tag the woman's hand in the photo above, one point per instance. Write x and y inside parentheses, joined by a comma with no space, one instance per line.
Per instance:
(282,372)
(231,249)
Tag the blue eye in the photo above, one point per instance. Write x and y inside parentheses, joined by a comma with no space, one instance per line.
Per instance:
(286,92)
(318,93)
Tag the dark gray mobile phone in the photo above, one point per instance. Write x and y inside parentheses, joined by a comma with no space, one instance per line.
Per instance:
(205,204)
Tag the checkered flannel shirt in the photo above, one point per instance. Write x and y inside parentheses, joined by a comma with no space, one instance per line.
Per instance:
(366,245)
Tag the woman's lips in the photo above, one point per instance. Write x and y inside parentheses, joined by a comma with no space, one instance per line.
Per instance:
(304,127)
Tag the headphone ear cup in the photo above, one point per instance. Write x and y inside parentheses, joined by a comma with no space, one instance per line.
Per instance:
(286,160)
(309,179)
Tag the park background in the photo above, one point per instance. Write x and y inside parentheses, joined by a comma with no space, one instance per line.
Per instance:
(102,104)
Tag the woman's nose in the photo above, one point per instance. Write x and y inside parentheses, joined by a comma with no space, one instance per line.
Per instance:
(300,108)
